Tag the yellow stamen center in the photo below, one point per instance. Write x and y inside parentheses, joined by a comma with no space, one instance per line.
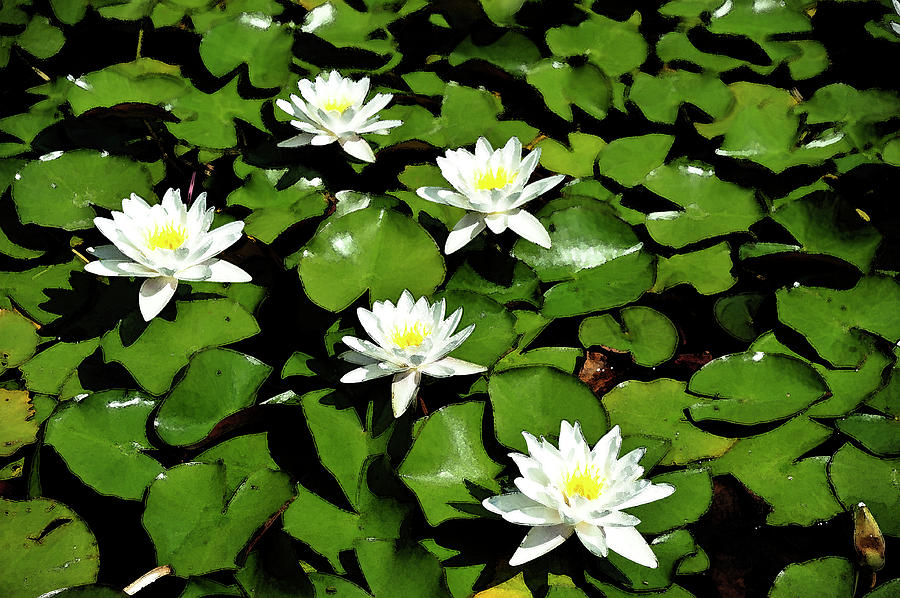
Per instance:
(494,179)
(167,237)
(338,104)
(583,481)
(410,335)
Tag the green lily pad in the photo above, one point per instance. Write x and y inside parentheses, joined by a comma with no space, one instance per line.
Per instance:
(562,358)
(19,342)
(44,546)
(577,161)
(859,477)
(612,284)
(769,465)
(628,160)
(144,81)
(332,585)
(877,433)
(241,456)
(737,315)
(207,119)
(59,190)
(26,289)
(710,207)
(658,408)
(836,322)
(274,210)
(828,577)
(400,569)
(344,446)
(494,326)
(692,497)
(614,46)
(217,383)
(648,335)
(54,371)
(297,365)
(582,236)
(372,248)
(829,225)
(102,439)
(670,549)
(446,453)
(762,127)
(535,399)
(522,285)
(563,86)
(18,426)
(197,525)
(512,52)
(253,38)
(707,270)
(660,97)
(164,347)
(755,387)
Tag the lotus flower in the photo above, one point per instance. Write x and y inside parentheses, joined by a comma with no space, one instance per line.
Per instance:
(334,109)
(576,489)
(165,243)
(411,339)
(491,184)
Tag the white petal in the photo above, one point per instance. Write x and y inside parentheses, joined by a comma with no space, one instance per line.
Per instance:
(218,240)
(107,252)
(450,366)
(366,348)
(133,269)
(518,508)
(649,494)
(530,468)
(607,449)
(322,139)
(106,268)
(497,222)
(358,148)
(540,541)
(571,441)
(895,25)
(530,228)
(537,492)
(379,127)
(468,227)
(155,293)
(593,539)
(444,196)
(286,106)
(222,271)
(296,141)
(371,324)
(369,372)
(357,358)
(403,390)
(196,272)
(535,189)
(628,542)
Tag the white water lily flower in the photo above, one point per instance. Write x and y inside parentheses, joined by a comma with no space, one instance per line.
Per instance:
(411,339)
(576,489)
(165,243)
(491,185)
(894,24)
(334,109)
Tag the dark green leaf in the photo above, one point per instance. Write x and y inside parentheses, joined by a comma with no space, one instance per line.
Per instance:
(648,335)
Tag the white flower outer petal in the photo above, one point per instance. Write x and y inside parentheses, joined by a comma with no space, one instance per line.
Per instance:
(404,388)
(358,148)
(629,543)
(530,228)
(518,508)
(155,293)
(539,541)
(450,366)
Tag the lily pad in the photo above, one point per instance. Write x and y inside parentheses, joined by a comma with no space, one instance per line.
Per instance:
(54,371)
(692,497)
(253,38)
(860,477)
(755,387)
(19,342)
(707,270)
(563,86)
(877,433)
(535,399)
(59,190)
(18,426)
(447,453)
(494,327)
(44,546)
(660,97)
(400,570)
(769,464)
(648,335)
(198,526)
(629,160)
(102,439)
(614,46)
(217,383)
(372,248)
(658,408)
(828,577)
(164,347)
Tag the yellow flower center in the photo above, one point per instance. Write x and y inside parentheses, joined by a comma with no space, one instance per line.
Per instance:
(167,237)
(338,104)
(494,179)
(584,481)
(410,335)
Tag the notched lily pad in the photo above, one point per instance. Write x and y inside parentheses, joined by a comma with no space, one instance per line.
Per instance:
(648,335)
(18,424)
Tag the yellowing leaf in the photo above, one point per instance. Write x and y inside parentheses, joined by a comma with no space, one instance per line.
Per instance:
(17,424)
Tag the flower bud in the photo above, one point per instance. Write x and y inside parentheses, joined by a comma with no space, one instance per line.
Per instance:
(867,538)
